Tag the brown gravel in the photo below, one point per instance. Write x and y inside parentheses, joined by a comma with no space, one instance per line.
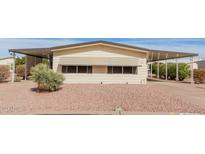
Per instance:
(21,98)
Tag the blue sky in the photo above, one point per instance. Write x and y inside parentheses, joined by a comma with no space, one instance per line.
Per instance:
(176,44)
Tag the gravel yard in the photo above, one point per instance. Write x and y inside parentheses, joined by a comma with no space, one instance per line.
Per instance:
(21,98)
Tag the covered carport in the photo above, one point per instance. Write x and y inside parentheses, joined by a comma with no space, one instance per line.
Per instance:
(33,56)
(157,56)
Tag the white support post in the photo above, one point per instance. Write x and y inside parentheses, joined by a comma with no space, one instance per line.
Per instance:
(49,61)
(147,64)
(166,70)
(158,69)
(25,68)
(191,70)
(14,68)
(177,70)
(151,63)
(158,66)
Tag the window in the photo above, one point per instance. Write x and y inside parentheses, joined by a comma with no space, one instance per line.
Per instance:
(90,69)
(109,69)
(117,70)
(64,69)
(82,69)
(127,70)
(71,69)
(122,70)
(134,70)
(76,69)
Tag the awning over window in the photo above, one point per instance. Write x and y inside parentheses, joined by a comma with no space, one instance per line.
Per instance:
(103,61)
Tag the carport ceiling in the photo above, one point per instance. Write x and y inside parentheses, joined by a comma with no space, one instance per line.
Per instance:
(157,55)
(36,52)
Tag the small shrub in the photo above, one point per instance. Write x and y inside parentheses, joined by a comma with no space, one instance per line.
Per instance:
(199,75)
(18,79)
(4,72)
(46,78)
(20,70)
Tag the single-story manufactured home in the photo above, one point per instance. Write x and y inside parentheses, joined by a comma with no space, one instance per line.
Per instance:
(100,61)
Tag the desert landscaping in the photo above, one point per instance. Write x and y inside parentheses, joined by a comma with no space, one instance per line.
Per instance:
(153,98)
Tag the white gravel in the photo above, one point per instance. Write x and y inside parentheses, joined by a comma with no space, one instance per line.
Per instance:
(19,98)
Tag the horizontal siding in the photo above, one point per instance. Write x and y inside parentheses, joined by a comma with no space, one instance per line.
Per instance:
(94,53)
(104,78)
(99,50)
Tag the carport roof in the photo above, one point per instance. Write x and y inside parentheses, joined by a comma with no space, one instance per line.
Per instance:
(152,54)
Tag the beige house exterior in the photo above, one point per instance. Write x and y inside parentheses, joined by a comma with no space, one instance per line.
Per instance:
(101,62)
(100,58)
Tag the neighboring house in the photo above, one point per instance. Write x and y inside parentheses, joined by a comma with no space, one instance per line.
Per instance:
(99,61)
(200,64)
(7,61)
(195,65)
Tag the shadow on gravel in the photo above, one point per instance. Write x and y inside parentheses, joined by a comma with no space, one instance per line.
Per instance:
(44,90)
(154,80)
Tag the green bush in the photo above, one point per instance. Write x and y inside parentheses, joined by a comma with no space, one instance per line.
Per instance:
(171,70)
(161,69)
(4,72)
(199,75)
(46,78)
(20,61)
(183,71)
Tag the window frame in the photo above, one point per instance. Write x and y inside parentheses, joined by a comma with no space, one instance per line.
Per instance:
(89,69)
(116,67)
(132,67)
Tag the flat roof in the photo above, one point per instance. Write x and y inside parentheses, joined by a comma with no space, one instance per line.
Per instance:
(152,54)
(5,58)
